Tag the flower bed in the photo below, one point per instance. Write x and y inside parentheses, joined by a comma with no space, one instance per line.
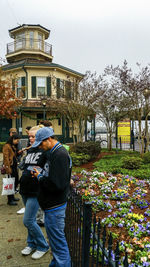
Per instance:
(123,204)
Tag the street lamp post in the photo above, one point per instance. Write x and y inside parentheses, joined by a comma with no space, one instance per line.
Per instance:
(44,110)
(43,103)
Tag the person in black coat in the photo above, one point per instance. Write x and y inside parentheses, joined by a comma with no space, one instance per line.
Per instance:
(54,187)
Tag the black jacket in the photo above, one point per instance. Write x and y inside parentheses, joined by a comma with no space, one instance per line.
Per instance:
(55,182)
(29,185)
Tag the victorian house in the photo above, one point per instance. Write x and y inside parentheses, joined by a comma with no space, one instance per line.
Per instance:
(42,84)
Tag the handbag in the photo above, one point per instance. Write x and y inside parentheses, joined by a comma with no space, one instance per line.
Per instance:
(8,186)
(3,170)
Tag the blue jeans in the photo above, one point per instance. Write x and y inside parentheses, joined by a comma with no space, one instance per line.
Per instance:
(55,224)
(35,237)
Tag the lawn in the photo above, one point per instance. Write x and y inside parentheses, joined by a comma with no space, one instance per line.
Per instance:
(123,204)
(113,163)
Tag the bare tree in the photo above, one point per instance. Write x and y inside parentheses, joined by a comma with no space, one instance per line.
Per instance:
(136,89)
(103,94)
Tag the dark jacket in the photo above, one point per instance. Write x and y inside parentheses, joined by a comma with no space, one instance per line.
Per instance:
(55,182)
(29,185)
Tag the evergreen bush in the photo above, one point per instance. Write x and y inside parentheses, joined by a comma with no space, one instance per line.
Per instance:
(90,148)
(146,157)
(131,163)
(78,159)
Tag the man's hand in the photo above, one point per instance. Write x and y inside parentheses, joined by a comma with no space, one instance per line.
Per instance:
(71,182)
(35,173)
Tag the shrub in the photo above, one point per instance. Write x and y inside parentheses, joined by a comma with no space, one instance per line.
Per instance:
(131,162)
(146,157)
(107,164)
(1,146)
(78,159)
(141,174)
(89,148)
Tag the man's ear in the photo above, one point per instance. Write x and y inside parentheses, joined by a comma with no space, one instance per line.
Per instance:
(49,139)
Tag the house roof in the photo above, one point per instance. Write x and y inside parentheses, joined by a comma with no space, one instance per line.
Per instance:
(38,63)
(12,31)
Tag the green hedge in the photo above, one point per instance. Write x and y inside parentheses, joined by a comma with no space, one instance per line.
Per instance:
(132,163)
(90,148)
(146,157)
(114,164)
(78,159)
(140,173)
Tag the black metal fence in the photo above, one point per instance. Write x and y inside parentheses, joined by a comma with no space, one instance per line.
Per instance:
(123,143)
(134,144)
(89,243)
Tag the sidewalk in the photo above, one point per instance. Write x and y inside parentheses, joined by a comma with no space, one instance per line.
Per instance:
(13,236)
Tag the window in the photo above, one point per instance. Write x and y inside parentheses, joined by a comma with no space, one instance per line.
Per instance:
(60,88)
(20,41)
(69,90)
(21,89)
(41,86)
(40,39)
(31,39)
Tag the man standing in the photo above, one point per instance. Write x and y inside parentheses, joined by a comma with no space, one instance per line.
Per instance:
(54,186)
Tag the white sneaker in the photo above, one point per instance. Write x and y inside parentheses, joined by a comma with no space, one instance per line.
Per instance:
(21,211)
(38,254)
(27,251)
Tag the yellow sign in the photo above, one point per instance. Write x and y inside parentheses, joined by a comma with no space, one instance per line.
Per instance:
(124,128)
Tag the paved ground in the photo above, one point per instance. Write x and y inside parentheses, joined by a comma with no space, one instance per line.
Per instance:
(13,236)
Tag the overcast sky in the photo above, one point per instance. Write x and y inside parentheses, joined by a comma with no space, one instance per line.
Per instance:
(85,35)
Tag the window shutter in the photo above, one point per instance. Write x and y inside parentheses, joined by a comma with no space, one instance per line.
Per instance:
(33,86)
(48,86)
(23,88)
(58,88)
(68,90)
(22,81)
(13,84)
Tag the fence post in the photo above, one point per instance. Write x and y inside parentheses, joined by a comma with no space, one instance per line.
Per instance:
(87,217)
(125,262)
(110,240)
(117,255)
